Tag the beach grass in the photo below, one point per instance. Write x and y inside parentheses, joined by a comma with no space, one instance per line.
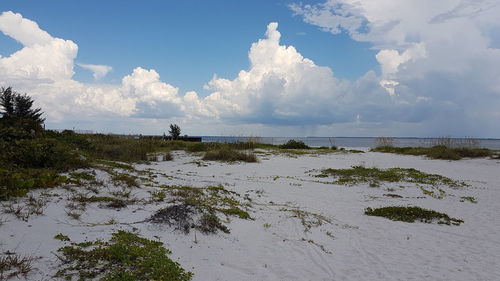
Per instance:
(227,154)
(412,214)
(197,207)
(361,174)
(439,152)
(14,265)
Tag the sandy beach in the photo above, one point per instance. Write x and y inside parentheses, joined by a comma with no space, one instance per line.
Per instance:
(301,226)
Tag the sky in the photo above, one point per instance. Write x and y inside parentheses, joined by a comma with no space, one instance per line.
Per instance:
(417,68)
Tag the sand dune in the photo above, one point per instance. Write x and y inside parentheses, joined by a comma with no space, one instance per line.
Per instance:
(302,227)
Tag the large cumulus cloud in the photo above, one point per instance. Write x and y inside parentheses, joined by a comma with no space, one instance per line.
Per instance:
(282,87)
(441,52)
(44,68)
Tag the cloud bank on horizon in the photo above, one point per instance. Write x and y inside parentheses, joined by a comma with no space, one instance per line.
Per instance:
(439,76)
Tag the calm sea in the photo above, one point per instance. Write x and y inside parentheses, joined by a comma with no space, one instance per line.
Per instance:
(362,141)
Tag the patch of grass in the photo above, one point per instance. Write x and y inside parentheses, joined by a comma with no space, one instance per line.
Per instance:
(393,195)
(160,156)
(439,152)
(18,182)
(126,256)
(293,144)
(12,266)
(468,198)
(61,237)
(196,207)
(111,202)
(229,155)
(117,148)
(432,193)
(412,214)
(210,223)
(235,211)
(360,174)
(127,179)
(88,176)
(25,209)
(115,164)
(158,195)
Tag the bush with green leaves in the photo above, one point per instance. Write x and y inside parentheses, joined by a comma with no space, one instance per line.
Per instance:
(293,144)
(412,214)
(126,256)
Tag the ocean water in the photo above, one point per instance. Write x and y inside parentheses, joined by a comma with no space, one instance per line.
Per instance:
(349,142)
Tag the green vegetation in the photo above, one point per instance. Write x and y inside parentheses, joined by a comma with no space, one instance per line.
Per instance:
(229,155)
(175,131)
(125,257)
(128,180)
(110,202)
(439,152)
(412,214)
(468,198)
(293,144)
(61,237)
(16,108)
(360,174)
(197,208)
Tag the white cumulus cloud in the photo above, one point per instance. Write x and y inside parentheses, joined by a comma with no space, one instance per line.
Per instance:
(441,52)
(44,69)
(282,87)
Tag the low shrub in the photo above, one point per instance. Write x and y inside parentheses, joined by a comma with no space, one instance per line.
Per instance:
(125,257)
(412,214)
(229,155)
(17,182)
(360,174)
(293,144)
(438,152)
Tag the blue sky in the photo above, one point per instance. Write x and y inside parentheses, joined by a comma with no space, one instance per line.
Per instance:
(326,67)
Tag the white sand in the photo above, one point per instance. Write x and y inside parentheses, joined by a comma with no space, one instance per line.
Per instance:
(275,246)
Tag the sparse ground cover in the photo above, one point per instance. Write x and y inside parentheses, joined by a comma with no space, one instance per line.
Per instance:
(374,176)
(412,214)
(126,256)
(197,208)
(236,213)
(229,155)
(440,152)
(13,265)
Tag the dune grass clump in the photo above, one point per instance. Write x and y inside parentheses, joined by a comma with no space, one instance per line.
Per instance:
(126,256)
(293,144)
(110,202)
(439,152)
(360,174)
(116,148)
(12,266)
(468,198)
(195,207)
(229,155)
(412,214)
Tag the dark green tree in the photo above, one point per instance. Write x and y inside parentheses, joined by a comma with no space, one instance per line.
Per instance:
(18,107)
(7,103)
(175,131)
